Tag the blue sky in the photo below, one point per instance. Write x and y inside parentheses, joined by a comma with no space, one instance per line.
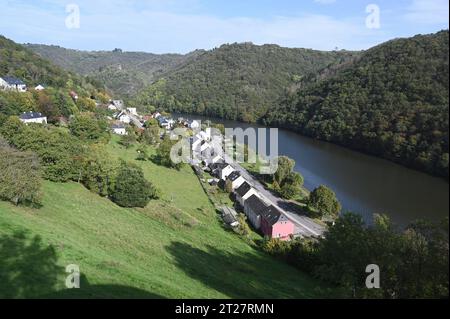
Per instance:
(180,26)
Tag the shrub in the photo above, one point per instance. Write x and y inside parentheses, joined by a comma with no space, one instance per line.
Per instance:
(131,189)
(20,176)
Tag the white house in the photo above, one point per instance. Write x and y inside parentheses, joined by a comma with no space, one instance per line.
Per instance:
(33,117)
(165,123)
(236,179)
(119,104)
(39,88)
(254,207)
(221,170)
(12,84)
(207,160)
(196,142)
(132,111)
(194,124)
(243,192)
(119,129)
(112,106)
(123,117)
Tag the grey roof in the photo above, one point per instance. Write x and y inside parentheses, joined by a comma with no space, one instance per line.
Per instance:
(234,176)
(256,204)
(31,115)
(118,126)
(219,165)
(229,219)
(243,189)
(13,81)
(272,215)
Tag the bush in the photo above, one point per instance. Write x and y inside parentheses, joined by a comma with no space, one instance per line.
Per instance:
(59,152)
(87,127)
(20,176)
(131,189)
(324,200)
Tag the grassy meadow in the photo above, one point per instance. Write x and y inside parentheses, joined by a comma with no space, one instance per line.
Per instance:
(176,247)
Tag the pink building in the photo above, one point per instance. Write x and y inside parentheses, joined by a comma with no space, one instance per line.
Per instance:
(275,224)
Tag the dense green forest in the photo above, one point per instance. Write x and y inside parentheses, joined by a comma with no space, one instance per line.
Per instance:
(54,101)
(123,73)
(237,81)
(391,102)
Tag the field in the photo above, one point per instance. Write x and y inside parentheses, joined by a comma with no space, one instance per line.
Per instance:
(174,248)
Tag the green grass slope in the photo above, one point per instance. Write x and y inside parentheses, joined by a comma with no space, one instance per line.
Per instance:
(174,248)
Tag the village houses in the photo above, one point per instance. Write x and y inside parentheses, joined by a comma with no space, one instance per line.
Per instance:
(123,117)
(119,129)
(235,179)
(9,83)
(243,192)
(33,117)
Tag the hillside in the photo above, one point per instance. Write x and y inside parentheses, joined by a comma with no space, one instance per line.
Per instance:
(237,81)
(391,102)
(54,101)
(123,73)
(173,248)
(18,61)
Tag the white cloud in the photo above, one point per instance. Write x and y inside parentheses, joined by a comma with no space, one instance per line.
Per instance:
(428,12)
(109,24)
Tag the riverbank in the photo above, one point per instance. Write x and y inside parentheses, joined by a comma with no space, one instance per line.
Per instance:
(363,184)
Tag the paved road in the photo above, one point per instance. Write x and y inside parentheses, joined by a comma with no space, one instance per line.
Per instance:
(305,226)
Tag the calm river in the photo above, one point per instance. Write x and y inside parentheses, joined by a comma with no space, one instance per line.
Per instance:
(363,183)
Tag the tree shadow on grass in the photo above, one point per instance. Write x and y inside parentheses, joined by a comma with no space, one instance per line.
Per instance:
(242,276)
(29,269)
(88,291)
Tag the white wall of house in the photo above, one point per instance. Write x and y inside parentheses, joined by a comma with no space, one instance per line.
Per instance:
(132,110)
(38,120)
(242,199)
(194,125)
(21,88)
(225,172)
(253,218)
(125,119)
(5,86)
(238,182)
(120,131)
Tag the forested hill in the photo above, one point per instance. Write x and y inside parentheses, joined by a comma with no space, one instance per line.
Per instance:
(54,101)
(124,73)
(392,102)
(17,61)
(236,81)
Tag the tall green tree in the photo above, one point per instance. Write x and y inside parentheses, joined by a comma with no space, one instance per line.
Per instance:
(325,201)
(87,127)
(131,189)
(20,176)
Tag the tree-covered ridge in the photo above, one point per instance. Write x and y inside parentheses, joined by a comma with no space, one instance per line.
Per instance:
(391,102)
(55,101)
(237,81)
(20,62)
(123,73)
